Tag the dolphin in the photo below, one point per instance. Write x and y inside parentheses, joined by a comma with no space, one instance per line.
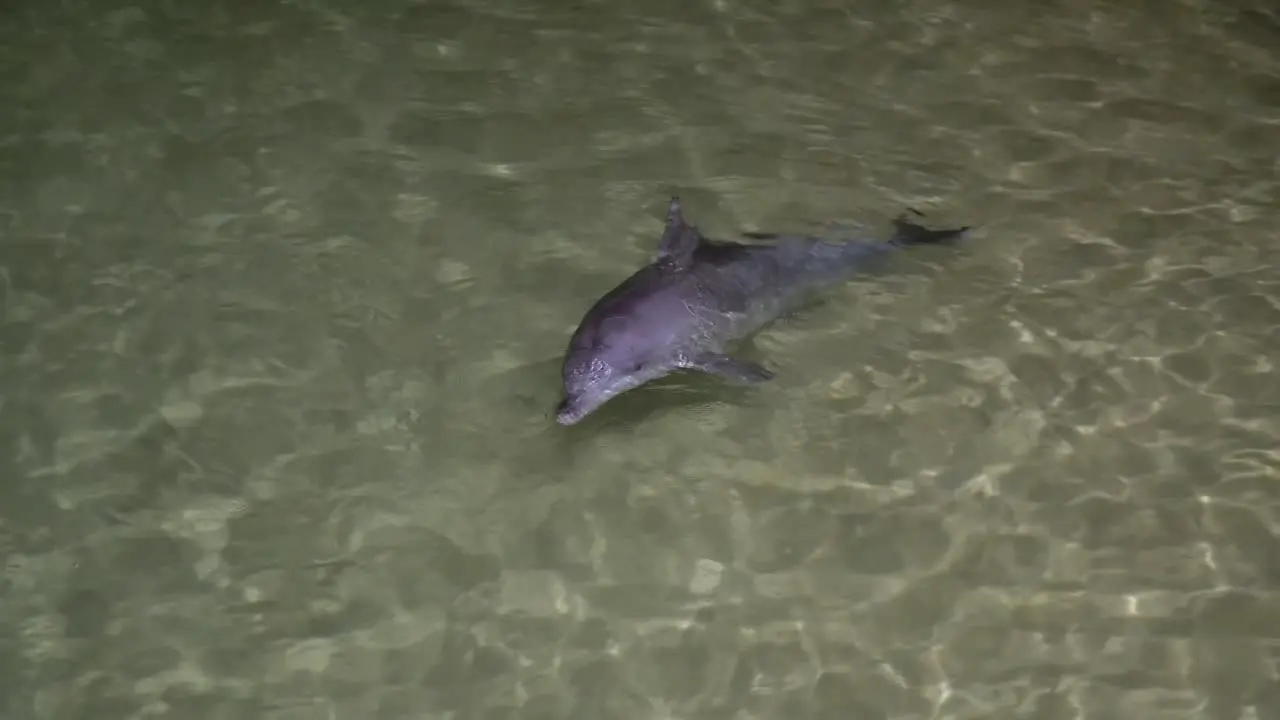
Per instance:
(698,296)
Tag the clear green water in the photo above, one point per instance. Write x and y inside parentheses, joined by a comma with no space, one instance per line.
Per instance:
(285,285)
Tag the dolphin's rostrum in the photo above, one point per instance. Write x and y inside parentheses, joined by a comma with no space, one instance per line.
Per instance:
(698,296)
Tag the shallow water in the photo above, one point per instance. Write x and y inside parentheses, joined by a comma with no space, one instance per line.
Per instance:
(285,288)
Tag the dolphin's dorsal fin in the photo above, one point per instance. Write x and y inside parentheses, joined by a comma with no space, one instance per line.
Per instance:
(679,239)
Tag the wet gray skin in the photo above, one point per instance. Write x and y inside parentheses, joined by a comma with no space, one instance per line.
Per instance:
(699,296)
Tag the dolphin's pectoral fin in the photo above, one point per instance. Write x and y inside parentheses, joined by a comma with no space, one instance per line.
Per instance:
(731,369)
(906,232)
(679,239)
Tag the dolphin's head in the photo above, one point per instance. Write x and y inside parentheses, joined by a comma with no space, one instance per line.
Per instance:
(594,375)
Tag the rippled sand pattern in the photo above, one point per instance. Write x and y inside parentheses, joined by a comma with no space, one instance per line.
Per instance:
(284,287)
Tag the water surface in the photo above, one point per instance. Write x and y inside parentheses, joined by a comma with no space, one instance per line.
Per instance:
(285,285)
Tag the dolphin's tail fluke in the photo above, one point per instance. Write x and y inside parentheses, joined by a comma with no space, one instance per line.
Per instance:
(907,233)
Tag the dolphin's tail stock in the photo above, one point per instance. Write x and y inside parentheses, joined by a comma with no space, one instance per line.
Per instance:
(810,262)
(907,233)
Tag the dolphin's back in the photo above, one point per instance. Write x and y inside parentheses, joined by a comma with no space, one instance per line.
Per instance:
(772,278)
(764,281)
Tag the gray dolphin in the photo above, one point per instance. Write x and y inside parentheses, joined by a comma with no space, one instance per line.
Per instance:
(681,311)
